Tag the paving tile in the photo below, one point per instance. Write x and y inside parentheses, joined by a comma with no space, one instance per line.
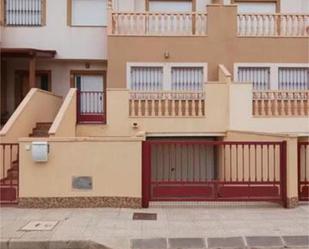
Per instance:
(264,241)
(158,243)
(228,242)
(296,240)
(177,243)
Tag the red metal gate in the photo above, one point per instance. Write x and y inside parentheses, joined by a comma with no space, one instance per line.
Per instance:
(201,170)
(303,171)
(9,173)
(91,107)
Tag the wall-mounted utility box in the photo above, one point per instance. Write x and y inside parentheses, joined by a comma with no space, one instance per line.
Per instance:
(39,151)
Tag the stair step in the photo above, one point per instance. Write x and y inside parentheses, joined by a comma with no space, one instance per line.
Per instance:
(8,181)
(41,129)
(43,125)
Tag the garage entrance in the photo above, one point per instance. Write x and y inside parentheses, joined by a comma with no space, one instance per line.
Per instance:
(203,170)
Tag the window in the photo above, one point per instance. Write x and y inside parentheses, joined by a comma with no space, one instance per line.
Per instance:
(88,12)
(293,78)
(271,76)
(24,13)
(254,6)
(259,76)
(187,78)
(170,6)
(146,78)
(166,77)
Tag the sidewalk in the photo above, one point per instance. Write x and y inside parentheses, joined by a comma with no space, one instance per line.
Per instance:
(173,228)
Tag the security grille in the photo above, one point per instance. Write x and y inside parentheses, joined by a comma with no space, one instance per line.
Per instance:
(23,12)
(187,78)
(291,78)
(146,78)
(259,76)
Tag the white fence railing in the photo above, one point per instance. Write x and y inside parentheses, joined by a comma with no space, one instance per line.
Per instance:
(281,103)
(296,25)
(152,23)
(167,104)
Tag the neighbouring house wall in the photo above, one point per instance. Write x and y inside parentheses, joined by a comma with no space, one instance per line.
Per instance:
(64,124)
(43,107)
(114,165)
(292,162)
(220,46)
(69,42)
(120,124)
(60,74)
(241,117)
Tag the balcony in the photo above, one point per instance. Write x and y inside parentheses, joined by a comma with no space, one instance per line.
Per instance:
(278,25)
(167,104)
(156,24)
(281,103)
(197,24)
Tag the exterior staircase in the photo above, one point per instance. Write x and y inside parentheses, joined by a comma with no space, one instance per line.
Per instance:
(41,129)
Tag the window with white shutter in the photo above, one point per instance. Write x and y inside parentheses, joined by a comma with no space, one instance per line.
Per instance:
(187,78)
(89,13)
(293,78)
(23,12)
(166,77)
(146,78)
(259,76)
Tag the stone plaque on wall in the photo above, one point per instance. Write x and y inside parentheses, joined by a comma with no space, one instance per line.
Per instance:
(82,182)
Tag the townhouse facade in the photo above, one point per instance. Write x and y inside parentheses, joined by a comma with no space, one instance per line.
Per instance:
(125,103)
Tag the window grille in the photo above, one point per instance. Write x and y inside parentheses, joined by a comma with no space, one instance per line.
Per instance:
(146,78)
(187,78)
(23,12)
(259,76)
(292,78)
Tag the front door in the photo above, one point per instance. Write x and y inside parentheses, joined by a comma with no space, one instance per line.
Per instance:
(91,98)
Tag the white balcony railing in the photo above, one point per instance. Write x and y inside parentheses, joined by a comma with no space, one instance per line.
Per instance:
(151,23)
(290,25)
(167,104)
(281,103)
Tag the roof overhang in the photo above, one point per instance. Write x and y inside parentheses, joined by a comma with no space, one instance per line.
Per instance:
(27,53)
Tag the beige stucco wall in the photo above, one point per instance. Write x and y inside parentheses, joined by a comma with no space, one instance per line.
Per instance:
(114,165)
(64,124)
(37,106)
(241,118)
(220,46)
(69,42)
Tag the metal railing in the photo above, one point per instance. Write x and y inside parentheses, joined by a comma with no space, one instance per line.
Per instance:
(9,173)
(303,171)
(91,106)
(195,170)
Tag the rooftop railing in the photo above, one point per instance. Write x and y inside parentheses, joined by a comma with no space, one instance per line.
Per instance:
(284,25)
(156,24)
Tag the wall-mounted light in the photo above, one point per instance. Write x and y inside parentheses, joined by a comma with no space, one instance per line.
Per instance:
(166,54)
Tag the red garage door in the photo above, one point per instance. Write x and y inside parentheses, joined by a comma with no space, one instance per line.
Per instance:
(204,170)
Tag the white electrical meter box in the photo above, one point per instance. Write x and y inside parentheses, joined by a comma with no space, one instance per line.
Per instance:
(39,151)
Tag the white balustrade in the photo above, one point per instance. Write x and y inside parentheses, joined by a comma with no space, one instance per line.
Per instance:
(281,103)
(295,25)
(153,23)
(167,104)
